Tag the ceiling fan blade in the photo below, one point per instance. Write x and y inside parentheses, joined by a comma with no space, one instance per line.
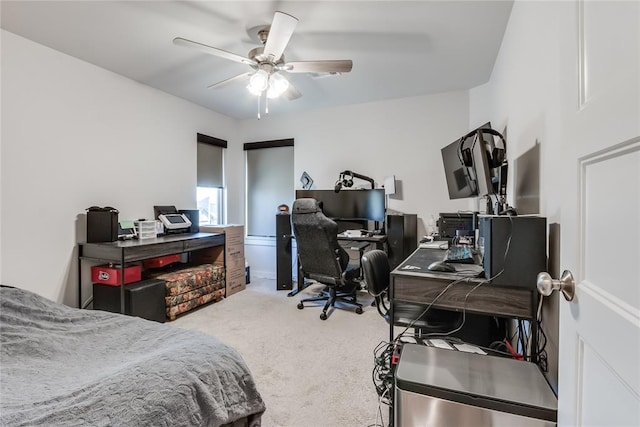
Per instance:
(329,66)
(279,34)
(213,51)
(239,77)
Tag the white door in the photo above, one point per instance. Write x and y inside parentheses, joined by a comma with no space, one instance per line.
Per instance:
(599,355)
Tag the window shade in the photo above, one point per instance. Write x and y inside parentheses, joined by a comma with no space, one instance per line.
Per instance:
(270,183)
(210,161)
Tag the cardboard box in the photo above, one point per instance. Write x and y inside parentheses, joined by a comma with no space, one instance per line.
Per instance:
(109,274)
(213,255)
(234,242)
(235,280)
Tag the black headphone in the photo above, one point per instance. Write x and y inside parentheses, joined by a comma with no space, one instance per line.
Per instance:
(344,180)
(498,155)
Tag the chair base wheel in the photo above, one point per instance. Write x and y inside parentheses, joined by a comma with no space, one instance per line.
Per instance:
(323,316)
(300,306)
(359,310)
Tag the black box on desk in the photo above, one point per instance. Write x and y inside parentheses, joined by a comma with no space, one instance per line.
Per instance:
(194,216)
(515,244)
(449,223)
(102,226)
(141,299)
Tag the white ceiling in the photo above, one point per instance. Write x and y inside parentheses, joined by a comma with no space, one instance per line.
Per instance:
(399,48)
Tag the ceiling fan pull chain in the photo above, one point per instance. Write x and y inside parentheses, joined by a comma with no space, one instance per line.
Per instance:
(266,105)
(259,107)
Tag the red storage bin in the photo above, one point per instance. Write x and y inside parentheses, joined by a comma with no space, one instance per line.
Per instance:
(109,274)
(161,261)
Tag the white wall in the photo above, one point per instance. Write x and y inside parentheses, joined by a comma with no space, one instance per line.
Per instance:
(75,135)
(522,98)
(397,137)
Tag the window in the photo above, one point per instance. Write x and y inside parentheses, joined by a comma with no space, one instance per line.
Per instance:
(210,188)
(210,205)
(269,184)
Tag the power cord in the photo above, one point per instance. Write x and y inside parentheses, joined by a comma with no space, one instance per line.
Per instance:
(382,374)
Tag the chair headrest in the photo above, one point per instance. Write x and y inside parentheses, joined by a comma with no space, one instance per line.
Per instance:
(306,205)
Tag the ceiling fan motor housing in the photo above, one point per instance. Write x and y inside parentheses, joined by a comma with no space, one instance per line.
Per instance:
(257,54)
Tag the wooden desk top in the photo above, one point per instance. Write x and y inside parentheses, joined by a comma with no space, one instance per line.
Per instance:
(136,250)
(412,282)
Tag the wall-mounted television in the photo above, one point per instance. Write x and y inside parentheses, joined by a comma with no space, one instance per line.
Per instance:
(459,171)
(349,205)
(460,178)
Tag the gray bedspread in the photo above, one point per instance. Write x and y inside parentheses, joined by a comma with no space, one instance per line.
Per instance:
(62,366)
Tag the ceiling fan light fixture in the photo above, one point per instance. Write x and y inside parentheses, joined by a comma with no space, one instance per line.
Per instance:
(277,86)
(258,82)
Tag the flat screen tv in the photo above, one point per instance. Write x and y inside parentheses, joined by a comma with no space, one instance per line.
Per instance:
(360,205)
(460,178)
(459,170)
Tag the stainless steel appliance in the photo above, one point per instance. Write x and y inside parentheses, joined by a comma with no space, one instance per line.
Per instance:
(439,387)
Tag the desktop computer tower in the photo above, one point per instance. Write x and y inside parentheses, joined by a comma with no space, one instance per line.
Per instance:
(284,278)
(514,249)
(402,237)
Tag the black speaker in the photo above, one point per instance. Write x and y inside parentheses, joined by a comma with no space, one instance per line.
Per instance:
(194,216)
(102,225)
(284,278)
(143,299)
(514,249)
(402,237)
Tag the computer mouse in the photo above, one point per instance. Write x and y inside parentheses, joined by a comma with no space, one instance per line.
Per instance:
(441,266)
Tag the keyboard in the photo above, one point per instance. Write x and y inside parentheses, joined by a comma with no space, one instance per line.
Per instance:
(460,254)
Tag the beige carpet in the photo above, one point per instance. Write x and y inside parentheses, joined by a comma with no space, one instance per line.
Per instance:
(309,372)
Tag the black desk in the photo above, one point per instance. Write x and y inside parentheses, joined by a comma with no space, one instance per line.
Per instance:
(378,239)
(124,251)
(412,282)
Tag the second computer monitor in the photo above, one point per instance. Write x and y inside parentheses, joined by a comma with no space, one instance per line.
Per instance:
(361,205)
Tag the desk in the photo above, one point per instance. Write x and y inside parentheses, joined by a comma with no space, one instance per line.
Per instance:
(379,240)
(124,251)
(412,282)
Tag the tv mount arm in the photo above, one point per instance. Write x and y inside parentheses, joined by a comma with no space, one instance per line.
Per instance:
(345,179)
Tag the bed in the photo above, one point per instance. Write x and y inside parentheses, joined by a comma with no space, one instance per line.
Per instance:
(65,366)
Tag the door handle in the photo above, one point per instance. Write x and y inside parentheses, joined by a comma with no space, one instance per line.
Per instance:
(546,285)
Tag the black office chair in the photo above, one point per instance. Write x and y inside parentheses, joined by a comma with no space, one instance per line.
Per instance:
(375,266)
(321,258)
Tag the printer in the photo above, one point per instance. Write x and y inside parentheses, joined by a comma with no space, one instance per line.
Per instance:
(174,222)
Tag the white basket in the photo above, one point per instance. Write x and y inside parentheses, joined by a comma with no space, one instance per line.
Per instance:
(146,229)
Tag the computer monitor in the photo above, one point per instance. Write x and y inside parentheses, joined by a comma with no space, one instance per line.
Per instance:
(349,205)
(459,169)
(460,177)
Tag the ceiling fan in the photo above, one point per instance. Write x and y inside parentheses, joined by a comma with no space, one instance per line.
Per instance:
(268,63)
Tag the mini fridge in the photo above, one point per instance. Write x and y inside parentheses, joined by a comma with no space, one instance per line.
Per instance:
(439,387)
